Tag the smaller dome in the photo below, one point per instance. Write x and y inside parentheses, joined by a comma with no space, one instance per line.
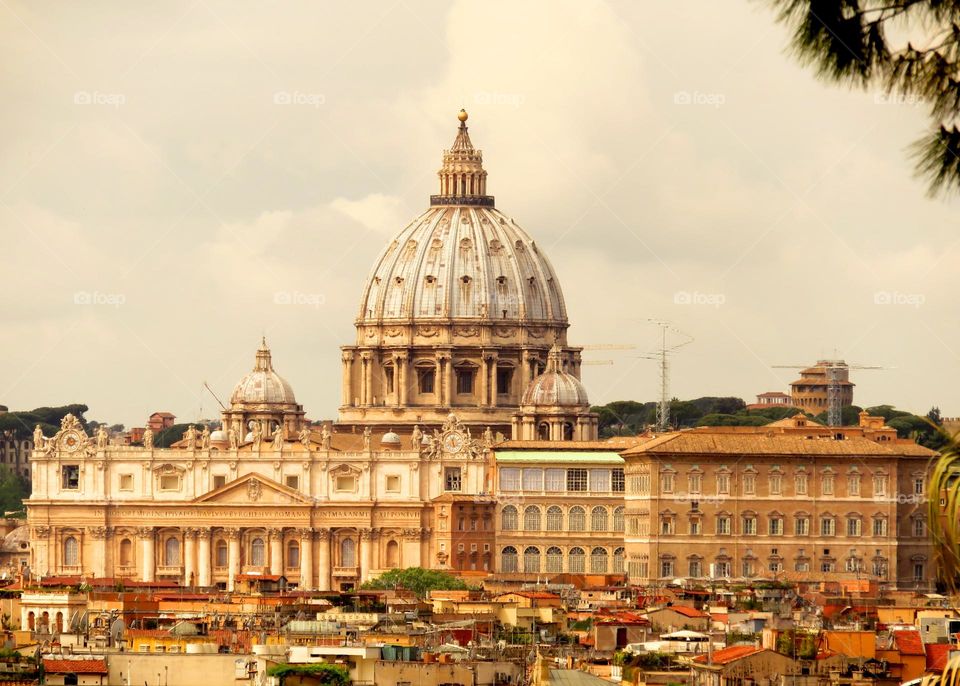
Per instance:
(390,440)
(218,435)
(555,387)
(263,385)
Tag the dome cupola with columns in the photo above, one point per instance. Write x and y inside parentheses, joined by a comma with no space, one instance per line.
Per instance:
(458,314)
(554,407)
(263,396)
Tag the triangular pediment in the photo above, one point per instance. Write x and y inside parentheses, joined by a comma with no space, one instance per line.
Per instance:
(253,489)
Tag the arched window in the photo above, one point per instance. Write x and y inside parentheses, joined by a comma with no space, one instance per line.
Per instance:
(567,431)
(258,552)
(577,520)
(126,553)
(618,519)
(598,519)
(508,559)
(293,555)
(393,554)
(221,554)
(508,518)
(598,561)
(618,560)
(577,561)
(554,518)
(348,553)
(554,560)
(71,552)
(171,552)
(531,518)
(531,559)
(543,432)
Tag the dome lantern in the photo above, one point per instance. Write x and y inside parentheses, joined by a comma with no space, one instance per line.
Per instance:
(463,180)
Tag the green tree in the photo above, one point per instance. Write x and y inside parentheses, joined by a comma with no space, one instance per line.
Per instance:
(420,581)
(171,435)
(13,490)
(909,49)
(327,674)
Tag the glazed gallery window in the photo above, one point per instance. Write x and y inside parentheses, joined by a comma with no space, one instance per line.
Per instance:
(451,479)
(510,479)
(70,475)
(508,518)
(577,519)
(425,380)
(599,480)
(533,479)
(619,482)
(577,480)
(465,381)
(554,518)
(555,480)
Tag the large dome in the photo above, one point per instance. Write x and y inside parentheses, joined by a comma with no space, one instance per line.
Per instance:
(463,262)
(262,385)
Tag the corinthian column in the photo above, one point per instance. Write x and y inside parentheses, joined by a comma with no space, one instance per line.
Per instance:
(306,559)
(148,557)
(493,381)
(190,556)
(323,560)
(203,555)
(233,547)
(347,390)
(366,553)
(276,551)
(99,536)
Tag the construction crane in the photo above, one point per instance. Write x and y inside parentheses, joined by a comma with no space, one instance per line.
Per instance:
(661,356)
(834,370)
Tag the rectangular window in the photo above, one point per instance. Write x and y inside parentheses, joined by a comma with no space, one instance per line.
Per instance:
(776,526)
(618,485)
(693,483)
(425,380)
(666,568)
(880,485)
(292,481)
(723,525)
(504,380)
(801,526)
(577,480)
(749,484)
(826,566)
(555,480)
(723,484)
(776,484)
(219,481)
(465,381)
(393,483)
(451,479)
(509,479)
(126,482)
(802,566)
(71,477)
(853,484)
(169,482)
(346,484)
(919,528)
(826,484)
(828,526)
(880,527)
(599,480)
(918,486)
(388,378)
(854,527)
(666,482)
(533,480)
(694,527)
(749,526)
(800,483)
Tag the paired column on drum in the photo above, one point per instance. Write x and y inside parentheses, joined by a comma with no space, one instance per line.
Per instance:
(203,555)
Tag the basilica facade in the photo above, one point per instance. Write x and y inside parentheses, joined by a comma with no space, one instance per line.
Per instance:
(461,342)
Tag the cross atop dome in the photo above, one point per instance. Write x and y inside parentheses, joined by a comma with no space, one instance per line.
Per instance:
(463,180)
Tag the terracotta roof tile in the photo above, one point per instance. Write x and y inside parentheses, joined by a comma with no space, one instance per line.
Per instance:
(75,666)
(728,655)
(909,642)
(937,655)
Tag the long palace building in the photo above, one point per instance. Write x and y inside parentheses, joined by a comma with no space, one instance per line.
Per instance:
(465,441)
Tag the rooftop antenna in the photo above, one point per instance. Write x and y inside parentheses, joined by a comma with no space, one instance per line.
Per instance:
(663,405)
(207,386)
(834,370)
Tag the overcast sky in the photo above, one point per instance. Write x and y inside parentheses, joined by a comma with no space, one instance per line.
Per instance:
(172,174)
